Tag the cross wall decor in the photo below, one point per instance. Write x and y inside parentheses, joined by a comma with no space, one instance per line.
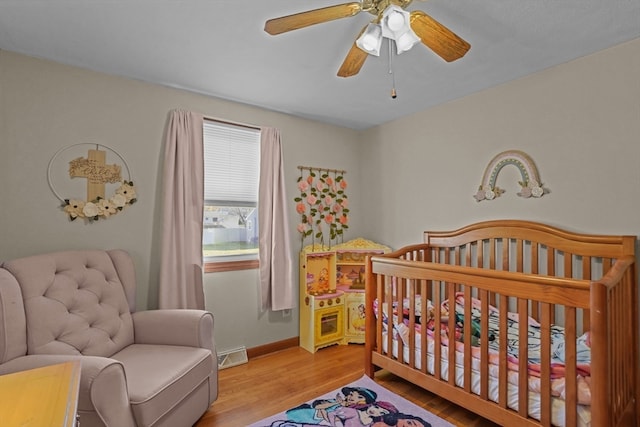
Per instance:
(97,172)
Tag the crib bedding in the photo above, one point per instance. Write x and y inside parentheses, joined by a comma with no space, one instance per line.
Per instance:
(401,330)
(557,403)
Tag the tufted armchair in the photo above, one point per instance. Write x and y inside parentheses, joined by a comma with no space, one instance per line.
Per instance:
(147,368)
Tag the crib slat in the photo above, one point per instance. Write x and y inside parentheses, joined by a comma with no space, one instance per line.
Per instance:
(484,345)
(523,344)
(424,316)
(437,350)
(467,256)
(379,321)
(467,338)
(519,255)
(533,266)
(545,368)
(412,321)
(389,303)
(492,254)
(586,274)
(551,271)
(505,254)
(570,315)
(451,356)
(600,357)
(399,297)
(492,266)
(568,265)
(503,328)
(570,366)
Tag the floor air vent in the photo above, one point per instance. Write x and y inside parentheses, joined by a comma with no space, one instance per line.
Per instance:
(230,358)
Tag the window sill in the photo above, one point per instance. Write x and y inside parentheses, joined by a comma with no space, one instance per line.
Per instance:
(216,267)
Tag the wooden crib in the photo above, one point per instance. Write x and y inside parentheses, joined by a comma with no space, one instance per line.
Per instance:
(571,290)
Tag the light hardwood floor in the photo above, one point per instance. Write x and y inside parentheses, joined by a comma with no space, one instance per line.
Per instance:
(278,381)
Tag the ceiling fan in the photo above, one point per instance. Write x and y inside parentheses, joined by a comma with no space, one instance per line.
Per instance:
(387,13)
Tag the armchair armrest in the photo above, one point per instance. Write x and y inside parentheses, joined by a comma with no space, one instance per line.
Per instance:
(192,328)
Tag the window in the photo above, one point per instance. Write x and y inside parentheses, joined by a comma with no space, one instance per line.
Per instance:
(231,173)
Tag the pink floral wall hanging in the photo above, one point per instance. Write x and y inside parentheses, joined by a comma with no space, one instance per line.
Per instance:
(322,204)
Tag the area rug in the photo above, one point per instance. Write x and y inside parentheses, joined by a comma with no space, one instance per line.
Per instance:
(360,403)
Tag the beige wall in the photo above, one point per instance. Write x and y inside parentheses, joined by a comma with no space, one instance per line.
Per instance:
(45,106)
(580,122)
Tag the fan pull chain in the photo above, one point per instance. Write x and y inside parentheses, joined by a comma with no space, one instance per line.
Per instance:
(394,95)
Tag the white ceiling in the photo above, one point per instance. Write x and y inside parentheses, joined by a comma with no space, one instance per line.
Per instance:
(219,48)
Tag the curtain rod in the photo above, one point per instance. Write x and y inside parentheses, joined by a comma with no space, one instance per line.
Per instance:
(322,169)
(228,122)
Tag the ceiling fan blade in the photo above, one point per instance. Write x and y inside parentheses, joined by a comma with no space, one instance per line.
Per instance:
(311,17)
(354,60)
(437,37)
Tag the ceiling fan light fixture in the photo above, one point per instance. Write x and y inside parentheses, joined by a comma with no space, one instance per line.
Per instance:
(371,40)
(395,21)
(406,41)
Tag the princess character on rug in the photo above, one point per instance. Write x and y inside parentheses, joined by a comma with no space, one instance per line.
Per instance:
(354,407)
(319,410)
(363,403)
(396,419)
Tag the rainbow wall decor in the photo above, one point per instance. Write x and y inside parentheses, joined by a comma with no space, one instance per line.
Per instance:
(531,186)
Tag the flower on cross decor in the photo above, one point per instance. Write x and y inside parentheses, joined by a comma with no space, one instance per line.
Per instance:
(101,208)
(322,205)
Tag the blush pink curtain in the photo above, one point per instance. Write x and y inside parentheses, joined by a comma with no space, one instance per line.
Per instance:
(183,209)
(276,284)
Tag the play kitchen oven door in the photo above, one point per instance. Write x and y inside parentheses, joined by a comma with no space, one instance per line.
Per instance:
(329,324)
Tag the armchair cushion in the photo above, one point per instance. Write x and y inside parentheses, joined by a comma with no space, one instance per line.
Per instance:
(153,395)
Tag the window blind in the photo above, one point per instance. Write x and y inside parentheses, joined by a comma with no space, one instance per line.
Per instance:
(231,163)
